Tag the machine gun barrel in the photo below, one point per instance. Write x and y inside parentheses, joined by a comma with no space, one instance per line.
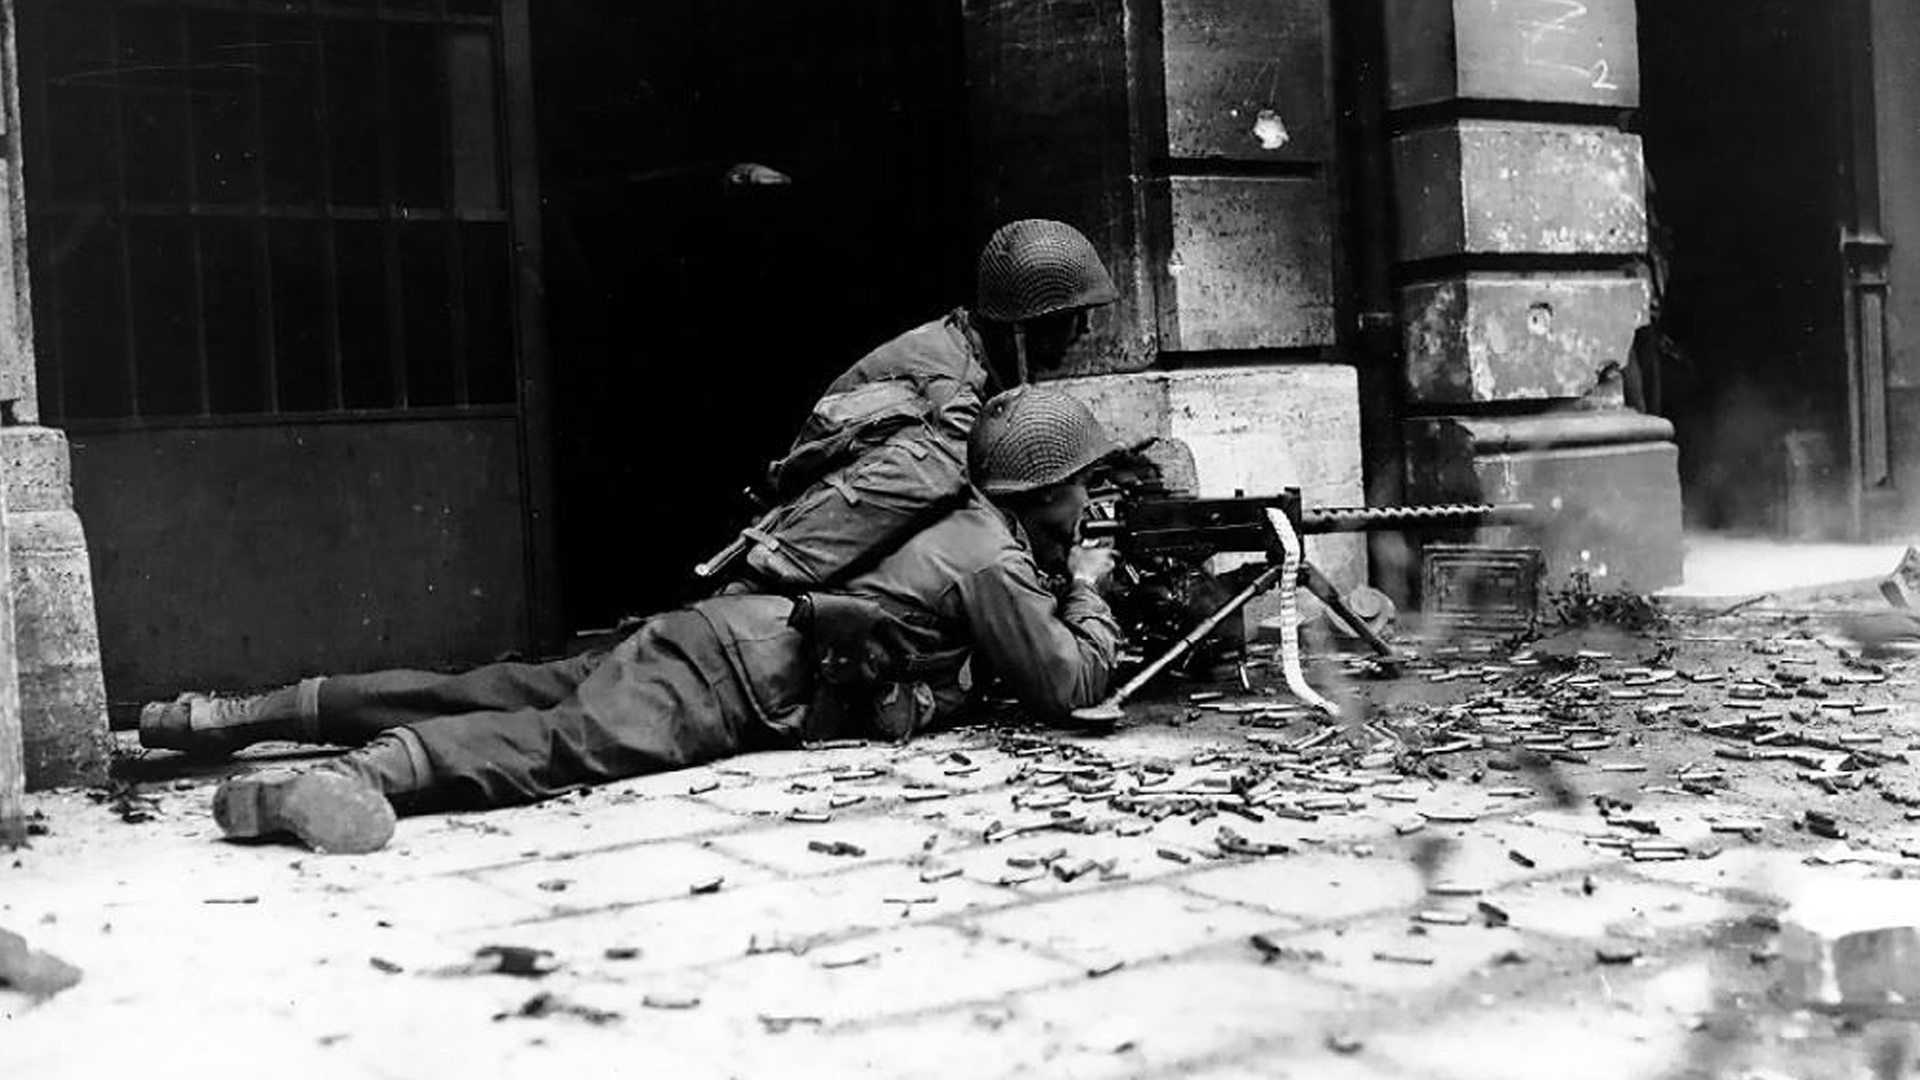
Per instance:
(1343,519)
(1211,526)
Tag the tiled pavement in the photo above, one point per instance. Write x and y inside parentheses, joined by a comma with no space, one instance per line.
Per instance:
(924,948)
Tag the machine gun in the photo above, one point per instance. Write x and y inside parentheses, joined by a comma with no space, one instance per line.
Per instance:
(1163,540)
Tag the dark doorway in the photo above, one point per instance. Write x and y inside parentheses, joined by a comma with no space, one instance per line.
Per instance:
(1741,113)
(695,313)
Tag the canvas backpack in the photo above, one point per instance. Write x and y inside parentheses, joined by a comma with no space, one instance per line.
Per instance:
(867,470)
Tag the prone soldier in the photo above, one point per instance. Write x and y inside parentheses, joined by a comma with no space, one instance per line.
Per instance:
(895,650)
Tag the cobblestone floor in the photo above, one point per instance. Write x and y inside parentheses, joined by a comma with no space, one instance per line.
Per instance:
(977,905)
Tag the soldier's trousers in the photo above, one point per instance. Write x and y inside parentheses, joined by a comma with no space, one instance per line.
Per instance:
(662,699)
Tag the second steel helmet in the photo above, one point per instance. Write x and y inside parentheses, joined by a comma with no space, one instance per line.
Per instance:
(1032,437)
(1035,267)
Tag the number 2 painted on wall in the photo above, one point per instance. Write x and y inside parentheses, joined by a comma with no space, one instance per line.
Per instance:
(1601,73)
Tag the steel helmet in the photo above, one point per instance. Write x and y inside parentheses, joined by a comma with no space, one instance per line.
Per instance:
(1031,437)
(1036,267)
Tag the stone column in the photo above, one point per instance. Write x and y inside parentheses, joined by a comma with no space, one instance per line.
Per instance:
(1521,212)
(56,642)
(1193,141)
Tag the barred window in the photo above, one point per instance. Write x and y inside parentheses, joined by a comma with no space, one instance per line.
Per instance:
(261,207)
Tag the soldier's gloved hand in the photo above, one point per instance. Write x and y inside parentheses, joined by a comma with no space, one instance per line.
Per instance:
(1093,565)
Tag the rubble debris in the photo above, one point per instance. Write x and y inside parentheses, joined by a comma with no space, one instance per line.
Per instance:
(1272,950)
(1616,954)
(793,947)
(1395,957)
(707,886)
(1741,605)
(667,999)
(31,972)
(836,847)
(846,959)
(622,952)
(546,1004)
(127,801)
(383,965)
(1579,604)
(1232,843)
(1822,824)
(1344,1042)
(780,1025)
(518,960)
(1902,587)
(1074,870)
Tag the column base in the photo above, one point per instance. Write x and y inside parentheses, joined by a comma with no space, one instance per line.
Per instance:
(63,699)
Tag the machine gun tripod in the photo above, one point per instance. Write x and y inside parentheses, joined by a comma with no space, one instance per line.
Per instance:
(1152,526)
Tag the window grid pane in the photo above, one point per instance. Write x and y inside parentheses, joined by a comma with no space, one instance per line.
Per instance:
(261,206)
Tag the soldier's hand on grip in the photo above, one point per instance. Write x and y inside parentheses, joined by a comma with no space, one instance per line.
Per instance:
(1092,565)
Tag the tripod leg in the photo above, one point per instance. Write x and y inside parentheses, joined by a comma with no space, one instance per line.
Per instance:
(1108,711)
(1324,590)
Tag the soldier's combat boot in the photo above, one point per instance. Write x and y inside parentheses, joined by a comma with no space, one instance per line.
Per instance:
(328,810)
(342,807)
(208,726)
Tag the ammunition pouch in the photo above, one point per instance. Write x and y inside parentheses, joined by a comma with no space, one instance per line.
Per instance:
(867,681)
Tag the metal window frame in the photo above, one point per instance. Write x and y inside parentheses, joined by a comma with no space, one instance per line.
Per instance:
(517,161)
(518,174)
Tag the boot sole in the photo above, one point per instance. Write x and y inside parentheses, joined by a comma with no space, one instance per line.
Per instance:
(328,811)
